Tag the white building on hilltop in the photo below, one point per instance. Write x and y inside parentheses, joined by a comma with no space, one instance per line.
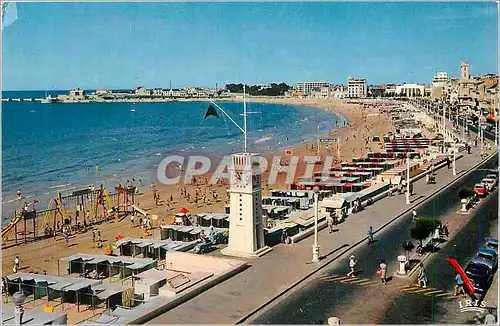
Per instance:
(411,90)
(356,88)
(307,88)
(440,79)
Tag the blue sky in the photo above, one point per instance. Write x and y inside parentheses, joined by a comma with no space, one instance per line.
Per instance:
(123,45)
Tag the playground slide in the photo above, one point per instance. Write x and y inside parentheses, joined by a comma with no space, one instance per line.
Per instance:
(140,210)
(9,227)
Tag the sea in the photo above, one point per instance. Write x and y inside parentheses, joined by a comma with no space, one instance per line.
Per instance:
(45,147)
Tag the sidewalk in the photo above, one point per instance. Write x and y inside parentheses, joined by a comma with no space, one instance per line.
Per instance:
(287,265)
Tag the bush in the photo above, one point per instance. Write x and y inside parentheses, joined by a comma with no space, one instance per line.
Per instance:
(424,227)
(465,193)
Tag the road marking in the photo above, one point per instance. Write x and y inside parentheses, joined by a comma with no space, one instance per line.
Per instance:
(349,279)
(326,277)
(360,280)
(337,278)
(370,283)
(423,290)
(434,292)
(443,294)
(409,286)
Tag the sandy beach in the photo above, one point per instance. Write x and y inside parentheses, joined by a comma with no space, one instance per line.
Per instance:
(44,254)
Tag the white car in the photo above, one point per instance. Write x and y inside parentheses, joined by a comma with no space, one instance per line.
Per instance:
(490,183)
(492,176)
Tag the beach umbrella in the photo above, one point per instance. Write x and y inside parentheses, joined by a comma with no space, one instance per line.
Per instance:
(183,210)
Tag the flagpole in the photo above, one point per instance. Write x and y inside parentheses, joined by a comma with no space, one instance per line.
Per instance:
(245,116)
(227,115)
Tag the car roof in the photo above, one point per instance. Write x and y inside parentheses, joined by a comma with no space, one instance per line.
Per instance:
(473,265)
(479,185)
(492,175)
(488,180)
(492,240)
(487,251)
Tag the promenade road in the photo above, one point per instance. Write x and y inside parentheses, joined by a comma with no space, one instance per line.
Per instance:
(364,299)
(231,301)
(445,310)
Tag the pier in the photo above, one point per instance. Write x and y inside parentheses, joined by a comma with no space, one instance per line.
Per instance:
(22,99)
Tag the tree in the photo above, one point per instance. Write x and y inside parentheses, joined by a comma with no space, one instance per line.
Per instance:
(424,227)
(465,193)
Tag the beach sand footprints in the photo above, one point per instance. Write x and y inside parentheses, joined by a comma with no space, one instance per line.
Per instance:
(370,282)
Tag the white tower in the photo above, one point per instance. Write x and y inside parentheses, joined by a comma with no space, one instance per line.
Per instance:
(246,229)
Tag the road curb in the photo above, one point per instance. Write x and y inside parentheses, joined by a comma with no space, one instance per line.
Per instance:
(328,261)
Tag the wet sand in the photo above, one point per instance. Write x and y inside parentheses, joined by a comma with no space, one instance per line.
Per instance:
(44,254)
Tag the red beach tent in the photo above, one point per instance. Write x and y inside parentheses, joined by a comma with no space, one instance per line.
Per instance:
(183,210)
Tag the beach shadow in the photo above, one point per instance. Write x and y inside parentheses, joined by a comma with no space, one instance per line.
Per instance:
(388,279)
(73,244)
(374,241)
(24,267)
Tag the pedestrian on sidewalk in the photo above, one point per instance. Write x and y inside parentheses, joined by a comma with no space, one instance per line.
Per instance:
(383,272)
(422,277)
(352,264)
(490,318)
(330,222)
(459,286)
(414,213)
(370,235)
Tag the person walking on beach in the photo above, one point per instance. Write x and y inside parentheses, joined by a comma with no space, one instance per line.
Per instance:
(132,220)
(98,235)
(66,237)
(352,264)
(16,264)
(383,272)
(93,236)
(19,194)
(422,277)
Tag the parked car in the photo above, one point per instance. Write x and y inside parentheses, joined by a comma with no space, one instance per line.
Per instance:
(492,176)
(492,244)
(490,183)
(479,275)
(480,189)
(487,257)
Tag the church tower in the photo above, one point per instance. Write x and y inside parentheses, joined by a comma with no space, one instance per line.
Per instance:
(464,69)
(246,223)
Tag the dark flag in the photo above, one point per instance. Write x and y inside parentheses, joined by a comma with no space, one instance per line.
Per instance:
(210,111)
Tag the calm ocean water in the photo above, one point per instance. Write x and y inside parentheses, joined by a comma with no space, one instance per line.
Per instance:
(46,146)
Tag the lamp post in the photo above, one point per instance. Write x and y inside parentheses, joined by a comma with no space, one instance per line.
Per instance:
(454,161)
(315,249)
(496,132)
(408,178)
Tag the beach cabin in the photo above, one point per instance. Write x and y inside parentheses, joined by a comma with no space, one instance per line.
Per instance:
(192,233)
(103,266)
(274,235)
(56,290)
(217,220)
(276,212)
(151,248)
